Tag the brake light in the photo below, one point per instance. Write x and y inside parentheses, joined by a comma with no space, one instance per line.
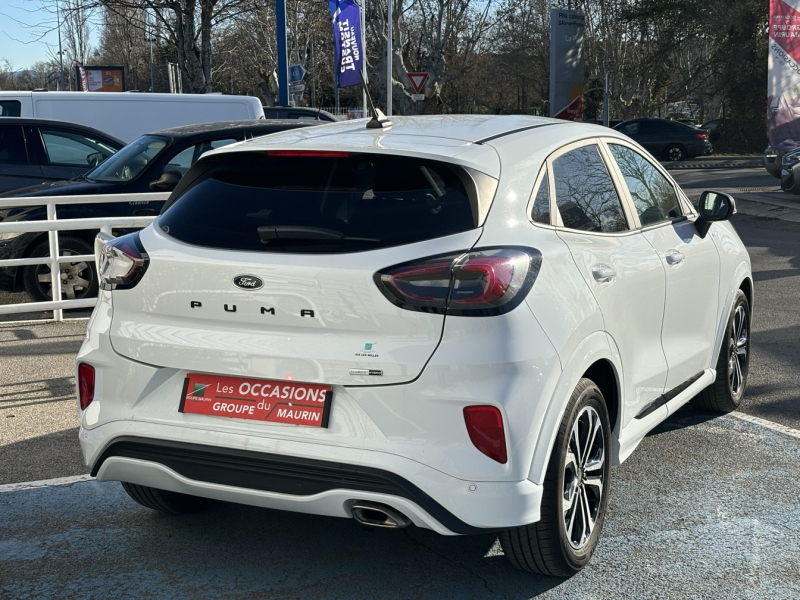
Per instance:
(479,283)
(123,262)
(85,385)
(486,432)
(309,153)
(702,136)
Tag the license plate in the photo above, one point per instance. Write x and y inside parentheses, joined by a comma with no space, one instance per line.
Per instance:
(288,402)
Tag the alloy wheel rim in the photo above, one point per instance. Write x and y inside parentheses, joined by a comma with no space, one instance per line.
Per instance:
(675,154)
(76,279)
(738,351)
(584,477)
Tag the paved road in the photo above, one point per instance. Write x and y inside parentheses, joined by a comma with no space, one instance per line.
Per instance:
(706,507)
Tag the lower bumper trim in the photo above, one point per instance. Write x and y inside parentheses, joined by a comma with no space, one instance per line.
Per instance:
(276,473)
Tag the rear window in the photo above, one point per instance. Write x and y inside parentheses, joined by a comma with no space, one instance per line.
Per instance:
(323,203)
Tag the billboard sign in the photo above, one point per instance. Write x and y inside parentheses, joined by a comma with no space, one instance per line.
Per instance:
(566,64)
(100,79)
(783,88)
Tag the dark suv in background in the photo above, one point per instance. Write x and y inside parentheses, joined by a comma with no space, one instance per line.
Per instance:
(667,140)
(34,151)
(155,162)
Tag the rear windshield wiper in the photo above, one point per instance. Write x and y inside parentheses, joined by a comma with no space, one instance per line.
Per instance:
(285,233)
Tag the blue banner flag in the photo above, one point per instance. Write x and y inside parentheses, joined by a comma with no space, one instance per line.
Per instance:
(347,34)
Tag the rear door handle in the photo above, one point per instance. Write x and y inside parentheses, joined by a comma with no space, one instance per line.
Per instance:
(603,273)
(674,257)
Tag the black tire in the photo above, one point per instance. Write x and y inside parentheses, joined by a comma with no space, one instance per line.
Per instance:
(164,501)
(546,547)
(726,393)
(674,153)
(79,281)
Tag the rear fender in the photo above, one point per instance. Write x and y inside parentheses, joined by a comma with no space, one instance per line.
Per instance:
(593,348)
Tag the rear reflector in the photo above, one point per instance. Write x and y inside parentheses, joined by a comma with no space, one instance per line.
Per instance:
(309,153)
(85,385)
(479,283)
(485,428)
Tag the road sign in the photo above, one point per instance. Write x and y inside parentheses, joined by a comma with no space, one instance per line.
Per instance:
(418,97)
(418,80)
(296,88)
(296,73)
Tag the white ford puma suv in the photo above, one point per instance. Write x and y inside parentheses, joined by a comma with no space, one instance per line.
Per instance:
(456,322)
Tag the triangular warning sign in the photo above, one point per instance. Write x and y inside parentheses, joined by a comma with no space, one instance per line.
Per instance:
(417,80)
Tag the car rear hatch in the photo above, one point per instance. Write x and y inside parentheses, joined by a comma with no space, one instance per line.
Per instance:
(264,266)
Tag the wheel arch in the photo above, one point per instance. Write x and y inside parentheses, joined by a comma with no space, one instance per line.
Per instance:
(742,280)
(592,358)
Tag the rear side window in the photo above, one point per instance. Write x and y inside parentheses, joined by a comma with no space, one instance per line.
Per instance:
(10,108)
(12,145)
(321,203)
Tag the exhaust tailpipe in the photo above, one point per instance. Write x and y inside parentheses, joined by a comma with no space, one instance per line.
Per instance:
(375,514)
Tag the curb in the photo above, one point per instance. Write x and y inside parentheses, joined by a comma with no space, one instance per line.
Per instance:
(715,165)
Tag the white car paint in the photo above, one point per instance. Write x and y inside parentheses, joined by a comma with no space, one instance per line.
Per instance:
(525,362)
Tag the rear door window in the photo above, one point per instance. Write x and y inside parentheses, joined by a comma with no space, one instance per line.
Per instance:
(320,202)
(12,145)
(187,157)
(585,193)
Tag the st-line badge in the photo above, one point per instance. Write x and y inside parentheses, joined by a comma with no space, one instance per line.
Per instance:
(377,372)
(248,282)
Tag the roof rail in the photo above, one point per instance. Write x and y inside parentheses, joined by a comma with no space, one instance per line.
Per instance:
(512,131)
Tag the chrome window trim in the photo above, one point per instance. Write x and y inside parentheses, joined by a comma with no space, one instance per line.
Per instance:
(610,167)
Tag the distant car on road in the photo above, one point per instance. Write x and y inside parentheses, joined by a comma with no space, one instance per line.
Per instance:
(33,151)
(153,163)
(298,112)
(715,127)
(667,140)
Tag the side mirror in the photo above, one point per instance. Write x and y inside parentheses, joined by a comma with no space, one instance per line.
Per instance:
(167,181)
(714,206)
(94,159)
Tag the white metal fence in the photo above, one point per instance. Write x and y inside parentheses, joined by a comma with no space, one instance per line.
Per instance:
(52,226)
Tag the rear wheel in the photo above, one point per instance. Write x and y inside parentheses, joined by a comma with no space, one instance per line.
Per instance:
(575,492)
(78,279)
(725,394)
(675,153)
(164,501)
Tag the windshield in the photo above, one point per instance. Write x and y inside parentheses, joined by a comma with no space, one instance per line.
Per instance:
(130,161)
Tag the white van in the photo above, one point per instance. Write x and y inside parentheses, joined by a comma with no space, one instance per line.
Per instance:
(128,115)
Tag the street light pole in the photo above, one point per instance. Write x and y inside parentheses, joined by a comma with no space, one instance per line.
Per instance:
(60,51)
(150,40)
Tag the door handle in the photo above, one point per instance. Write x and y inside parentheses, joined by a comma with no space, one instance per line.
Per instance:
(603,273)
(673,257)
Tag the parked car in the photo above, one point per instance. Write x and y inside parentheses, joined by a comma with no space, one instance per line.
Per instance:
(298,112)
(128,115)
(667,140)
(715,128)
(33,151)
(456,322)
(153,163)
(790,171)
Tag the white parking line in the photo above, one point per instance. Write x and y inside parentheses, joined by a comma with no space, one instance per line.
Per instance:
(795,433)
(26,485)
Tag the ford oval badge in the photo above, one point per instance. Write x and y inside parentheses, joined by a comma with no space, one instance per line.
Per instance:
(248,282)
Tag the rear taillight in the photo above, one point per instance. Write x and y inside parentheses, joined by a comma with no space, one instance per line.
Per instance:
(123,262)
(702,136)
(485,428)
(85,385)
(479,283)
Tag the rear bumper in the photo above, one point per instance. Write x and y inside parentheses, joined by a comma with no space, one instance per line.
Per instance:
(429,498)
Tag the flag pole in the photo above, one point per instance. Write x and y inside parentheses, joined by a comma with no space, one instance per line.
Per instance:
(364,59)
(389,61)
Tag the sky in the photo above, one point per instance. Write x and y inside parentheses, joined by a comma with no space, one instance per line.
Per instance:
(21,45)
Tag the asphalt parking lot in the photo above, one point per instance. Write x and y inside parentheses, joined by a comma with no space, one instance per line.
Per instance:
(707,507)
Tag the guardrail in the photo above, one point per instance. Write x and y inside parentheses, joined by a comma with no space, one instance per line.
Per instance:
(52,226)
